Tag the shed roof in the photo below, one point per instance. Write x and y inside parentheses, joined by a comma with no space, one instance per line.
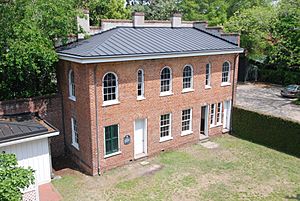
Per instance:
(127,41)
(22,126)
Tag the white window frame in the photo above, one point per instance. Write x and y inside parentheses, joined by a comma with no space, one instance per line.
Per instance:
(114,101)
(226,83)
(72,94)
(168,137)
(191,88)
(219,113)
(74,129)
(190,120)
(208,76)
(166,93)
(142,96)
(212,115)
(104,141)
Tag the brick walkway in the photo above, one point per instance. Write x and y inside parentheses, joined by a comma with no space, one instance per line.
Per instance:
(49,193)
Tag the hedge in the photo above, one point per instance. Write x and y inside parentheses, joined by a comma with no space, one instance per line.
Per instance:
(273,132)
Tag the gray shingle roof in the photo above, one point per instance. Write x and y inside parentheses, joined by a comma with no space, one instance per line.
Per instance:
(147,40)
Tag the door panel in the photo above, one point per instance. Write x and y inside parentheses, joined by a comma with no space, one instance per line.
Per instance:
(139,137)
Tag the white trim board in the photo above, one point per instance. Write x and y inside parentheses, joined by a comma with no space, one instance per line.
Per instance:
(89,60)
(29,139)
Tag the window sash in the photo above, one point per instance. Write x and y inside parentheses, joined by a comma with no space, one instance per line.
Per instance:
(186,118)
(225,72)
(71,84)
(140,83)
(207,75)
(187,77)
(165,80)
(74,127)
(111,139)
(212,114)
(219,113)
(110,87)
(165,125)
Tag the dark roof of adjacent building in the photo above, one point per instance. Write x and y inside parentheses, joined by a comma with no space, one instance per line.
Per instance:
(125,41)
(22,126)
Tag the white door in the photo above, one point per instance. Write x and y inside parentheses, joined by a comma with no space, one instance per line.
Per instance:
(226,117)
(140,138)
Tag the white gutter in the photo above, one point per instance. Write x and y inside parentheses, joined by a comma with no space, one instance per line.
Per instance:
(89,60)
(29,139)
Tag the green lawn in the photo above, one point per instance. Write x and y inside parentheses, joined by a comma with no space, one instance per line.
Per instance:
(237,170)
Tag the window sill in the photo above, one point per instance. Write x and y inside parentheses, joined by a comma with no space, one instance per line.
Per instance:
(139,98)
(215,125)
(75,145)
(207,87)
(224,84)
(112,154)
(164,139)
(184,133)
(187,90)
(73,98)
(112,102)
(168,93)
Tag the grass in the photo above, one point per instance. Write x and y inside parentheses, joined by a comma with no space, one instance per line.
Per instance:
(237,170)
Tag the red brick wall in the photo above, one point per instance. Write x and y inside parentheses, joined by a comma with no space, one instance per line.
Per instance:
(48,108)
(130,109)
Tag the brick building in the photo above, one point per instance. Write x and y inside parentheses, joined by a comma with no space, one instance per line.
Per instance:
(130,92)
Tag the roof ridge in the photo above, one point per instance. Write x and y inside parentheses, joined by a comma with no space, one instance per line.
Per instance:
(214,35)
(115,29)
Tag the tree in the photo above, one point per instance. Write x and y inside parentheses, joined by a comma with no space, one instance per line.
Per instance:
(255,25)
(285,50)
(29,30)
(13,178)
(106,9)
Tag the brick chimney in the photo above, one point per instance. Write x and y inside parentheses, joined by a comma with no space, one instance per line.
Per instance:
(84,23)
(138,19)
(176,20)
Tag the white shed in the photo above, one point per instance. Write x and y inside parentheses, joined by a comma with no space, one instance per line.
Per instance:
(27,137)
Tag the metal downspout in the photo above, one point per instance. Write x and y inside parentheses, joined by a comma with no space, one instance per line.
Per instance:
(97,124)
(232,100)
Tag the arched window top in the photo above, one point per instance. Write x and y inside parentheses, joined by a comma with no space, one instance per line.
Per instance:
(226,72)
(166,80)
(187,77)
(110,87)
(71,85)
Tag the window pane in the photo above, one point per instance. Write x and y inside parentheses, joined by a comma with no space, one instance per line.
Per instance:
(111,139)
(109,87)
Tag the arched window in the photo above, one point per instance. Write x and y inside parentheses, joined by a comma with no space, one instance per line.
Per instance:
(110,87)
(207,74)
(71,85)
(165,80)
(226,72)
(187,77)
(140,83)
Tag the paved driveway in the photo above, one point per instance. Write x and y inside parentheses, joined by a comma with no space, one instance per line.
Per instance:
(266,99)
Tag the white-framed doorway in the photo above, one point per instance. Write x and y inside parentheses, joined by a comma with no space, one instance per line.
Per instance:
(227,115)
(140,138)
(204,122)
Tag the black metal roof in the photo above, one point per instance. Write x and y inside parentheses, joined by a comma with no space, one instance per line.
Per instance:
(19,127)
(148,41)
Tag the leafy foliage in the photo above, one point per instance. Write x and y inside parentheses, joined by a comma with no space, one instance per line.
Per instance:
(106,9)
(255,25)
(27,54)
(13,178)
(285,51)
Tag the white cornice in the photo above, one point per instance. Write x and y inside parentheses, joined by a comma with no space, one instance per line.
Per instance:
(89,60)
